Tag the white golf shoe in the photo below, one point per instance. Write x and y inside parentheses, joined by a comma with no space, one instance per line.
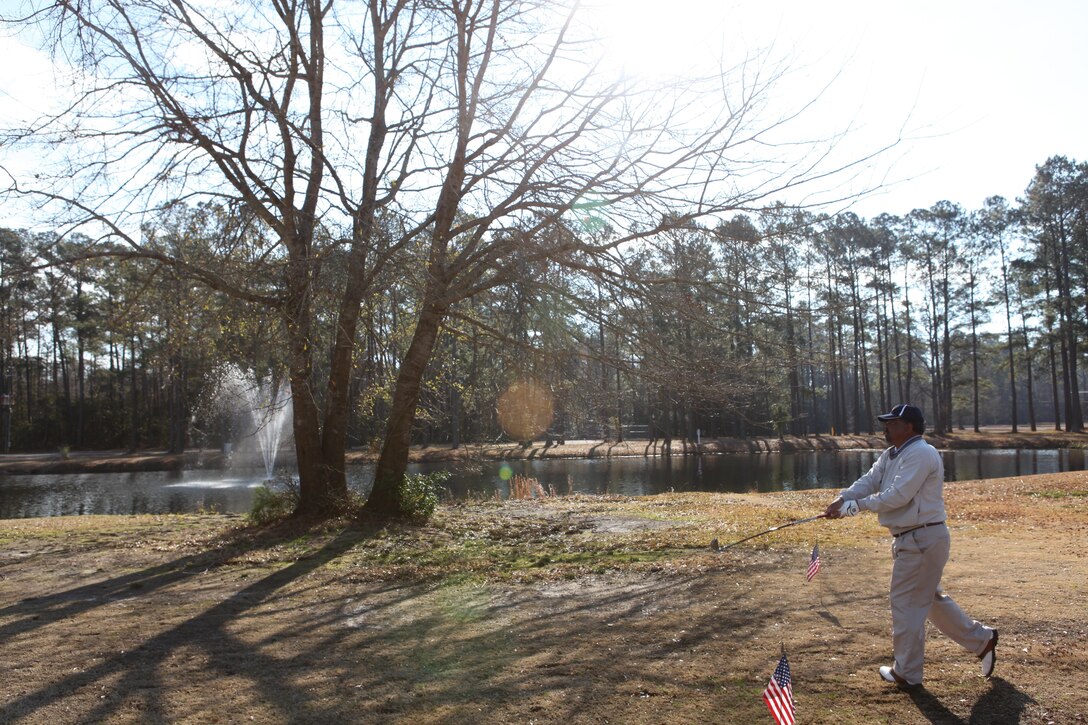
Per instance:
(988,658)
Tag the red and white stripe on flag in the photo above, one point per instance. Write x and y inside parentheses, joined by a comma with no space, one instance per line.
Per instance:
(779,694)
(813,563)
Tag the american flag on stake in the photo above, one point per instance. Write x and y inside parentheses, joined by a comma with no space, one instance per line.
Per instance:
(779,694)
(813,563)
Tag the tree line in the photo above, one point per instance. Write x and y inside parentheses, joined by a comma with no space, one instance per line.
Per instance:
(782,322)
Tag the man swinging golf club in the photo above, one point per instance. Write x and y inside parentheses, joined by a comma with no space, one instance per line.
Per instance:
(905,487)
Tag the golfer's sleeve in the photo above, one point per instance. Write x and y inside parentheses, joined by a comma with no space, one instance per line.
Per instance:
(867,484)
(909,477)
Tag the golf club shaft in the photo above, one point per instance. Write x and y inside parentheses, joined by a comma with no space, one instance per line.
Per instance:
(773,528)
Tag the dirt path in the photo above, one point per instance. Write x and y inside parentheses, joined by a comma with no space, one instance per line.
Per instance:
(569,610)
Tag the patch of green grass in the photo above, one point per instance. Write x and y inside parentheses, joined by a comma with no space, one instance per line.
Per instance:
(543,539)
(606,559)
(1059,494)
(301,545)
(467,543)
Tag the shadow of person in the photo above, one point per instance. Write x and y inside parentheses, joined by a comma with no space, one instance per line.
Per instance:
(933,709)
(1002,704)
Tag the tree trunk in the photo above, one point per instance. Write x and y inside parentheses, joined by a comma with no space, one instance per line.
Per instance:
(974,351)
(841,383)
(455,416)
(833,381)
(882,368)
(906,388)
(811,355)
(27,377)
(1008,336)
(134,436)
(1048,324)
(932,333)
(334,428)
(862,352)
(384,499)
(1054,381)
(793,363)
(619,398)
(1074,415)
(833,398)
(364,235)
(322,485)
(1067,388)
(317,494)
(946,351)
(1030,377)
(81,371)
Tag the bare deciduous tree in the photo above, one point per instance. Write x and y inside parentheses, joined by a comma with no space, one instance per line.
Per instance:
(433,138)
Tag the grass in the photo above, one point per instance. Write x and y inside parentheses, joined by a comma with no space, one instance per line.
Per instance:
(550,537)
(576,609)
(1059,494)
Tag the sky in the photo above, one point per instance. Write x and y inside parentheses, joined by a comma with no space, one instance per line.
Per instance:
(979,93)
(973,94)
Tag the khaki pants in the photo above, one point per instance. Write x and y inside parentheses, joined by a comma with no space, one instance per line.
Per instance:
(918,558)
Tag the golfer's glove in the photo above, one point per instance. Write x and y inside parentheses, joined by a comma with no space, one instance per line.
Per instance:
(848,508)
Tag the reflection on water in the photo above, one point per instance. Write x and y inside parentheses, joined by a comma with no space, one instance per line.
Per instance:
(743,472)
(232,491)
(156,492)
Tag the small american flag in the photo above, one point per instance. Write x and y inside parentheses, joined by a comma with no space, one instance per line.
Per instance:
(779,694)
(813,563)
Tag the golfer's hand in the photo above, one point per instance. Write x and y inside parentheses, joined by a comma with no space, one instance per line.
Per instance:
(849,508)
(834,509)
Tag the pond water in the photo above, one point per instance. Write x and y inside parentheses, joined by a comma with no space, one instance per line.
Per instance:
(232,491)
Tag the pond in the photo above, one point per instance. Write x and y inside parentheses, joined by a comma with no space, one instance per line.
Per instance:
(232,491)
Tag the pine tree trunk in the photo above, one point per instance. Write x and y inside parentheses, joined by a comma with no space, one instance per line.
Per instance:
(1030,380)
(1054,382)
(974,353)
(1073,414)
(134,411)
(905,392)
(1008,335)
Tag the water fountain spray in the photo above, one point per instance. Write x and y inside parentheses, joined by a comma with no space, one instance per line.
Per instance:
(268,403)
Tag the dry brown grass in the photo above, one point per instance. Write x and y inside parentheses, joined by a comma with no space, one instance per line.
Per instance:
(524,488)
(560,609)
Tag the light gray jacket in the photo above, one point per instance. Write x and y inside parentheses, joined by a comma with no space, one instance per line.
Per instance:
(906,490)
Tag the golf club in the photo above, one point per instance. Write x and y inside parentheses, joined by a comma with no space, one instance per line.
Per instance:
(714,546)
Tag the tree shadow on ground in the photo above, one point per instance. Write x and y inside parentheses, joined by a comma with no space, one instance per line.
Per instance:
(369,651)
(37,612)
(135,671)
(579,649)
(363,651)
(1002,704)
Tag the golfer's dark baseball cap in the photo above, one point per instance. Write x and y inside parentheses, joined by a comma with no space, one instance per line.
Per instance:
(907,412)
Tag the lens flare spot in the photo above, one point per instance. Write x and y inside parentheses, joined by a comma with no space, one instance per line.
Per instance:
(525,410)
(506,472)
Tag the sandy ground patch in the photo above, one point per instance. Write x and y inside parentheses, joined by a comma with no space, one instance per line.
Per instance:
(580,610)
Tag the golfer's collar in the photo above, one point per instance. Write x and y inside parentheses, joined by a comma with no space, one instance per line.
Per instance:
(897,451)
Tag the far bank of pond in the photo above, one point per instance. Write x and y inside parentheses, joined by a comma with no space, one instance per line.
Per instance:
(127,461)
(960,440)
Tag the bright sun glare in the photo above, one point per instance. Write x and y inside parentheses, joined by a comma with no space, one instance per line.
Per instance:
(649,38)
